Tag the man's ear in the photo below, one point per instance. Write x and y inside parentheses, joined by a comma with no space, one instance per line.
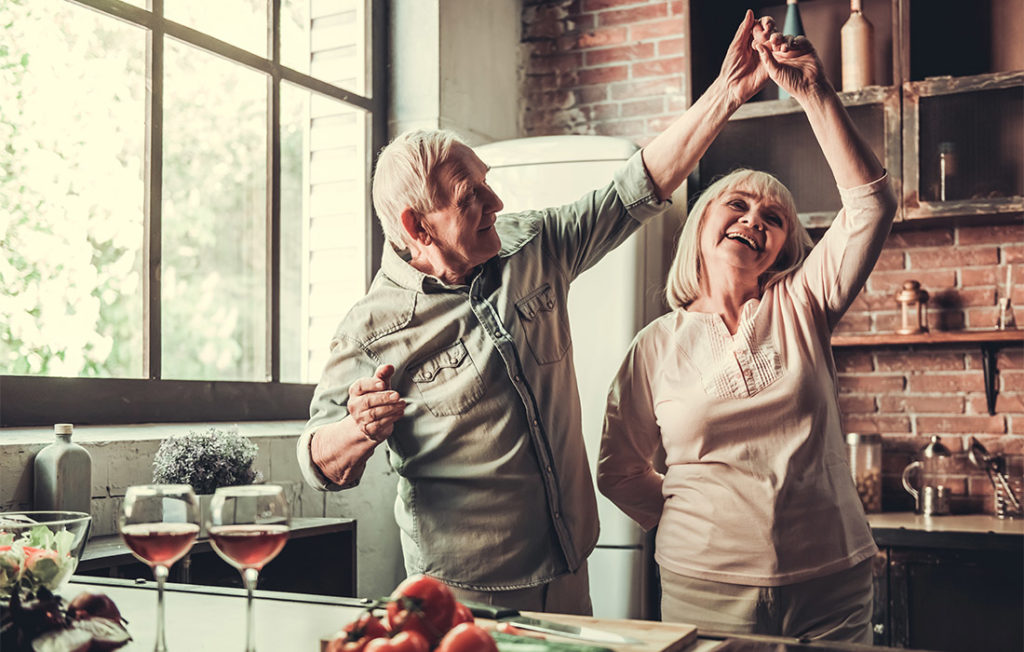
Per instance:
(412,223)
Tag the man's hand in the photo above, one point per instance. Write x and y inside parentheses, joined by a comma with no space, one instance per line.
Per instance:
(373,406)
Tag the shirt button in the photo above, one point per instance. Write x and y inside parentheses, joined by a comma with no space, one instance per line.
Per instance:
(516,379)
(536,423)
(558,515)
(549,468)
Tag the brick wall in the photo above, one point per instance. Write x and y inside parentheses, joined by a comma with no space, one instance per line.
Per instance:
(618,67)
(911,393)
(607,67)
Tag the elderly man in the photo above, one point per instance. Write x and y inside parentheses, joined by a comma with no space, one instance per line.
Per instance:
(459,357)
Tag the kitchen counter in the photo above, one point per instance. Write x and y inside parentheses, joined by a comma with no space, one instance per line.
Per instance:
(208,618)
(953,583)
(956,531)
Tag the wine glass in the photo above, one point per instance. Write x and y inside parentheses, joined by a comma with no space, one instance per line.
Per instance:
(160,522)
(248,526)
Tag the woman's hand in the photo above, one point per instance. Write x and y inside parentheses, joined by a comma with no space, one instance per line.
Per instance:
(742,72)
(792,63)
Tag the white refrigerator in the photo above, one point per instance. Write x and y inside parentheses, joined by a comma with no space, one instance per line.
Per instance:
(608,304)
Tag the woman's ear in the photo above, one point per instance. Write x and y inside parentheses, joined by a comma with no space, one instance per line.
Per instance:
(412,224)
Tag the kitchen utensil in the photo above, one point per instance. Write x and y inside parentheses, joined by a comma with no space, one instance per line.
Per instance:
(995,467)
(929,468)
(515,643)
(934,500)
(581,632)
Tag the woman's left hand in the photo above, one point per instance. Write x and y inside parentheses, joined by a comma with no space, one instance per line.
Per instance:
(792,63)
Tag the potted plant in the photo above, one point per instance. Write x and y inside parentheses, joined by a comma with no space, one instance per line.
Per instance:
(206,460)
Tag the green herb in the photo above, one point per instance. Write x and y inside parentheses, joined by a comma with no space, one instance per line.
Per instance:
(206,460)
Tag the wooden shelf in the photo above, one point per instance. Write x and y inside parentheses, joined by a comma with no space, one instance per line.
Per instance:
(995,337)
(989,340)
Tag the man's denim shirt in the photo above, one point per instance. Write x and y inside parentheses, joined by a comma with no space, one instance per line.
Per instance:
(494,488)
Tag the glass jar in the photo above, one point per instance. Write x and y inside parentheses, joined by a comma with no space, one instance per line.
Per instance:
(866,465)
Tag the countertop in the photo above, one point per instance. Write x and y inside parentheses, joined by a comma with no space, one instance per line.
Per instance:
(208,618)
(963,531)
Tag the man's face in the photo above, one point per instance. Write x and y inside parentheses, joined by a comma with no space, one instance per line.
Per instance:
(463,230)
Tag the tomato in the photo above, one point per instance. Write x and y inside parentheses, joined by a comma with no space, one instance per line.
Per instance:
(421,604)
(462,614)
(366,625)
(342,644)
(400,642)
(354,636)
(467,637)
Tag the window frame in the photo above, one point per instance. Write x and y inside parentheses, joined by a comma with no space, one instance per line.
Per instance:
(43,400)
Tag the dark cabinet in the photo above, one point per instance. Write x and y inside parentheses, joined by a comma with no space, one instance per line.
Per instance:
(319,558)
(955,594)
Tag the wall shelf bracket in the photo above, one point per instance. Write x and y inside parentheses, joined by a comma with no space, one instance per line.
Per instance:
(988,364)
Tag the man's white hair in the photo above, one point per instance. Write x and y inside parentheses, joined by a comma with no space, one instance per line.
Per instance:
(405,177)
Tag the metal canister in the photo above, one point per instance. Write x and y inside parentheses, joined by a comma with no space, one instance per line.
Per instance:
(866,466)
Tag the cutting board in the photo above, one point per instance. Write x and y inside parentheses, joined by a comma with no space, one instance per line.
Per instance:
(656,636)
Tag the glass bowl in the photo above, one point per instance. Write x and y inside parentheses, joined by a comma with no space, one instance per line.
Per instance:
(40,549)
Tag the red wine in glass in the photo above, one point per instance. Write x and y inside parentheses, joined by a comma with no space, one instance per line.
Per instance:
(248,525)
(160,522)
(249,546)
(160,543)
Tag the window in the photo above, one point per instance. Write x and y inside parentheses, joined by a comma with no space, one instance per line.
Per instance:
(184,203)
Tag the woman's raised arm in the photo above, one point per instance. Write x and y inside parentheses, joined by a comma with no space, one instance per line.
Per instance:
(793,64)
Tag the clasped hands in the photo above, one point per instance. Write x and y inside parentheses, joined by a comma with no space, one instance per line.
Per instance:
(759,52)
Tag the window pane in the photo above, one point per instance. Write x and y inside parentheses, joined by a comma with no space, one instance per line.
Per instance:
(213,282)
(327,39)
(324,203)
(72,124)
(239,22)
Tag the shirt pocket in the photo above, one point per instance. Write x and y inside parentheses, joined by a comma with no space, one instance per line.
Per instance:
(448,381)
(545,323)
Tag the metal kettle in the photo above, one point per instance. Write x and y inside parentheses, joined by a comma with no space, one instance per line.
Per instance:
(933,498)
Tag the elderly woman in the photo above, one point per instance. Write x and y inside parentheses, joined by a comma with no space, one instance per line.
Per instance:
(760,529)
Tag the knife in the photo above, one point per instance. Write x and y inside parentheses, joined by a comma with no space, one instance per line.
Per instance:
(516,619)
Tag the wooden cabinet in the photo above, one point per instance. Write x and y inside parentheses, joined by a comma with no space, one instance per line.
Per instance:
(949,596)
(319,558)
(946,118)
(963,143)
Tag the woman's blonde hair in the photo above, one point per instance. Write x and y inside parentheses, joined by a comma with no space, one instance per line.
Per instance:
(405,178)
(686,273)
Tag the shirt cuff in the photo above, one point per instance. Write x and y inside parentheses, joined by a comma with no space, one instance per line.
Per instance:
(310,471)
(636,190)
(867,189)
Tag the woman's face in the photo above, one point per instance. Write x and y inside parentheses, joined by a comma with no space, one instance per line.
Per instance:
(743,230)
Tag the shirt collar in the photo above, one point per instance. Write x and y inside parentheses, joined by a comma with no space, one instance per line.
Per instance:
(396,266)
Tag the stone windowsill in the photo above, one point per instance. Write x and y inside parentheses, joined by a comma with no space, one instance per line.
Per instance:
(146,431)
